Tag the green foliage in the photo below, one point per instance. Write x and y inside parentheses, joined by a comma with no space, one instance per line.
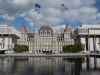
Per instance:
(78,60)
(21,48)
(80,46)
(20,59)
(74,48)
(64,48)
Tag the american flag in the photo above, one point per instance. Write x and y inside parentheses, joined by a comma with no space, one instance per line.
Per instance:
(63,6)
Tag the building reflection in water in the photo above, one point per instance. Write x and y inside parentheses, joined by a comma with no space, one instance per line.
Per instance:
(42,66)
(74,65)
(47,66)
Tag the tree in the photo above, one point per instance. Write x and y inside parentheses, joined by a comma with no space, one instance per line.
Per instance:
(26,47)
(64,48)
(21,48)
(74,48)
(80,46)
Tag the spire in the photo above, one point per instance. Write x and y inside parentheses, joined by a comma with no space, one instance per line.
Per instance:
(66,28)
(24,28)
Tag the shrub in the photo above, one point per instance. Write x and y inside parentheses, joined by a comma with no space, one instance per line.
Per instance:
(74,48)
(21,48)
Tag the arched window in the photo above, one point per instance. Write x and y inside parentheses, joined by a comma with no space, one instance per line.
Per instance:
(68,30)
(45,32)
(49,32)
(41,32)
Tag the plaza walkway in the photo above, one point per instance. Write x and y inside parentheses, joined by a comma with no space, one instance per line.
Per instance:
(51,55)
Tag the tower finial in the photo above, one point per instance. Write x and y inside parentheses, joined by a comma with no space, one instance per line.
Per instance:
(23,23)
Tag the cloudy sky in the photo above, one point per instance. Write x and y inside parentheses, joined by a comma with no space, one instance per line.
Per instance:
(17,12)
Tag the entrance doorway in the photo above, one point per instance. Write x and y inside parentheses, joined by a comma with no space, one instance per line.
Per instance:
(45,51)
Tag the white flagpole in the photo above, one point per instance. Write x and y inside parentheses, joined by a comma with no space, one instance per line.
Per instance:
(34,19)
(61,29)
(61,19)
(34,31)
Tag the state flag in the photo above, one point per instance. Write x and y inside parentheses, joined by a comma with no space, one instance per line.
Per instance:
(37,6)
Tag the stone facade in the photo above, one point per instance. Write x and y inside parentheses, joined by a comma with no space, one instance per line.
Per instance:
(89,35)
(8,37)
(45,39)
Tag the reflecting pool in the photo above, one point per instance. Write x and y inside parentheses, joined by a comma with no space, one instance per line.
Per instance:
(48,66)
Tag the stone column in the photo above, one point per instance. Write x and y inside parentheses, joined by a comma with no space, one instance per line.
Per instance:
(2,41)
(88,42)
(99,44)
(94,43)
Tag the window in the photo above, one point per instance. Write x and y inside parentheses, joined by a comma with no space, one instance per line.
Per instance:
(45,32)
(41,32)
(24,35)
(68,34)
(68,30)
(40,39)
(3,30)
(22,30)
(48,32)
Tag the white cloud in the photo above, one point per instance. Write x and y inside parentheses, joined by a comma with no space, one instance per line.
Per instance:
(49,13)
(98,15)
(88,2)
(7,18)
(22,14)
(84,14)
(58,28)
(88,10)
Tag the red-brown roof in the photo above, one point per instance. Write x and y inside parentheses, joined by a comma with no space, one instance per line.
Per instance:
(67,27)
(24,28)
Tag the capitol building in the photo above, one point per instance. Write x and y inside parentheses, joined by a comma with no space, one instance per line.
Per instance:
(45,39)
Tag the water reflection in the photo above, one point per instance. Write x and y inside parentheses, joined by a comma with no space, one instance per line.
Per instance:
(43,66)
(76,65)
